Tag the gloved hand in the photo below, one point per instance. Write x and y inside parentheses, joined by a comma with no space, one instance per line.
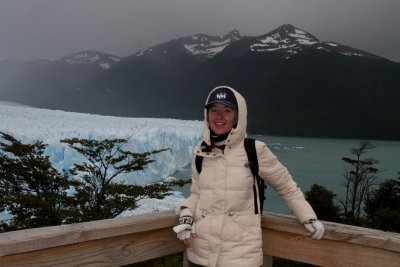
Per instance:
(186,226)
(315,227)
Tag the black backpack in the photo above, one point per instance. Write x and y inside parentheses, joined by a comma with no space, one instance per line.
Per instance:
(250,147)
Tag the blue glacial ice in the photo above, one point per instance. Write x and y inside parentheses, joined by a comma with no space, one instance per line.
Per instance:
(29,124)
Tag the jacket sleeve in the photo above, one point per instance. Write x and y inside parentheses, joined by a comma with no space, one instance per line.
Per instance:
(191,201)
(279,178)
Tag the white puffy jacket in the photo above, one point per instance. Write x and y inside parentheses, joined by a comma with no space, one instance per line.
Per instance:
(222,200)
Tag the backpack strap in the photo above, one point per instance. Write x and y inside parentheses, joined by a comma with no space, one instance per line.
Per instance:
(199,159)
(199,162)
(250,147)
(259,184)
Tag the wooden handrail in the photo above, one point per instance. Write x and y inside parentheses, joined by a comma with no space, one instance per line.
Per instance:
(128,240)
(342,245)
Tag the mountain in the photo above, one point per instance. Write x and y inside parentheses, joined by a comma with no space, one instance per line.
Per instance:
(205,46)
(50,84)
(201,46)
(161,72)
(294,84)
(285,41)
(288,41)
(93,58)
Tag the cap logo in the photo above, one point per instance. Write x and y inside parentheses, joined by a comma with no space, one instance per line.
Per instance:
(221,96)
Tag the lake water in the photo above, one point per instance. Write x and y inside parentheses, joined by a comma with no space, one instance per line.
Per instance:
(318,160)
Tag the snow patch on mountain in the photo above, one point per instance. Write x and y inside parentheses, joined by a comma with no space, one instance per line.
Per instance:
(208,46)
(332,44)
(104,60)
(286,39)
(302,37)
(207,50)
(341,49)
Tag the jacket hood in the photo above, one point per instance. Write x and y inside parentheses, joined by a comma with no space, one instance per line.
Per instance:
(238,133)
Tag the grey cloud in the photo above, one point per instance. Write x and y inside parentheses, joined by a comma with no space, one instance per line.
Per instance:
(53,28)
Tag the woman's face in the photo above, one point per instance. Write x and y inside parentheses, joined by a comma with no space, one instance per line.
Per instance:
(221,118)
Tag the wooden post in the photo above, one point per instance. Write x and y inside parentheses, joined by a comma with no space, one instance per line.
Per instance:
(185,260)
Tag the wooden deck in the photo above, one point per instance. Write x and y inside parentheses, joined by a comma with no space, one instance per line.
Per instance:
(128,240)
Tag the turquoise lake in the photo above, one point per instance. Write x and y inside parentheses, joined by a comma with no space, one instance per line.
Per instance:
(319,160)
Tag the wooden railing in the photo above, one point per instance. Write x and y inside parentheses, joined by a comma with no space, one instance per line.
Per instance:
(128,240)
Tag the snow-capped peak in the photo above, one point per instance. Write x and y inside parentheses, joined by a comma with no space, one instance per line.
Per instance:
(286,39)
(208,46)
(200,45)
(91,57)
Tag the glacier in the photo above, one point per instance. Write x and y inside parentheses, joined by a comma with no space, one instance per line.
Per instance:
(29,125)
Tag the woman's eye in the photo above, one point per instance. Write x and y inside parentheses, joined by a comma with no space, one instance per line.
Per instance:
(219,110)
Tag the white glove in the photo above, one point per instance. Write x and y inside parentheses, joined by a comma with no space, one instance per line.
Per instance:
(186,226)
(315,227)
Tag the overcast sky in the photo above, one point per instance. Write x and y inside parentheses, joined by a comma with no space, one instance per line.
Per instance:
(51,29)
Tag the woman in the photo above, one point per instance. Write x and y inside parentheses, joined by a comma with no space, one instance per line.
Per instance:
(217,223)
